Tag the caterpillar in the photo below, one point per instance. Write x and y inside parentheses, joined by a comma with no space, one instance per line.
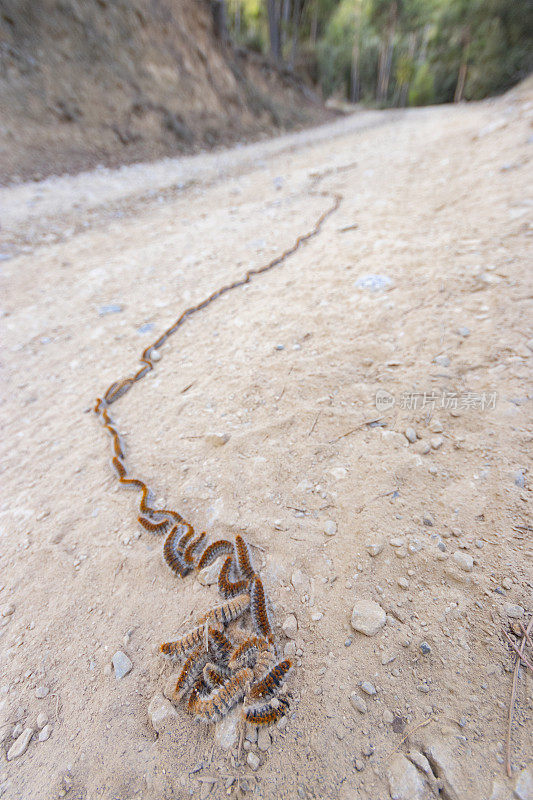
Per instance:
(153,527)
(214,676)
(266,714)
(174,546)
(194,638)
(213,551)
(269,685)
(243,558)
(190,671)
(195,544)
(227,611)
(216,705)
(226,587)
(259,610)
(246,654)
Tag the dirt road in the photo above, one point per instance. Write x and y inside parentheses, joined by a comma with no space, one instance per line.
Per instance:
(407,318)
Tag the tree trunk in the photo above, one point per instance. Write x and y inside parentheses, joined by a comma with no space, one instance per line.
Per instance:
(274,28)
(354,74)
(296,19)
(220,20)
(314,24)
(461,79)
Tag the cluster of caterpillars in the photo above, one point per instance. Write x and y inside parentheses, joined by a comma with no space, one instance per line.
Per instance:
(221,668)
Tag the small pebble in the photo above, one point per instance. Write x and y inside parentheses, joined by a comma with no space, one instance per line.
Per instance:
(442,361)
(507,583)
(368,688)
(514,611)
(403,583)
(217,439)
(358,703)
(44,734)
(425,649)
(290,626)
(410,435)
(424,448)
(464,332)
(367,750)
(41,691)
(112,308)
(359,765)
(368,617)
(388,716)
(8,610)
(42,720)
(464,561)
(330,527)
(121,664)
(289,649)
(17,730)
(253,760)
(375,545)
(436,442)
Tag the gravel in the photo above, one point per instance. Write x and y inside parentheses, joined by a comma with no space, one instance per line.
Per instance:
(290,626)
(20,745)
(464,561)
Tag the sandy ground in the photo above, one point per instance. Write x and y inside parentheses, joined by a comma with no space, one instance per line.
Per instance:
(288,368)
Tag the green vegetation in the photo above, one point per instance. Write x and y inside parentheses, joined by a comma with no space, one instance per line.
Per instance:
(393,52)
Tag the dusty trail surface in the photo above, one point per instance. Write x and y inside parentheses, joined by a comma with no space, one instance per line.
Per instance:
(435,531)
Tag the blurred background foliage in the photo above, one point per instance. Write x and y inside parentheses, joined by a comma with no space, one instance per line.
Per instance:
(392,52)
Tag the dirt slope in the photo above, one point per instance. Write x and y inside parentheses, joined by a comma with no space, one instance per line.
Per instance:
(87,83)
(434,201)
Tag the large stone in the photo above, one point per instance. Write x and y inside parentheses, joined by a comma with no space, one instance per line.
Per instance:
(20,745)
(209,575)
(523,787)
(160,711)
(368,617)
(290,626)
(405,781)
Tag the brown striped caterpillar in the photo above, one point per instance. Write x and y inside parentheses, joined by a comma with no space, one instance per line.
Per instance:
(195,638)
(213,551)
(266,714)
(216,705)
(246,654)
(259,610)
(190,671)
(243,558)
(153,527)
(214,675)
(270,683)
(220,645)
(226,586)
(174,546)
(227,611)
(195,544)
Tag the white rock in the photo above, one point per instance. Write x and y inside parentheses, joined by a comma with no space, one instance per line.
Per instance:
(368,617)
(290,649)
(45,733)
(253,760)
(515,612)
(436,442)
(375,545)
(41,692)
(159,710)
(209,575)
(330,527)
(227,730)
(523,787)
(263,739)
(464,561)
(121,664)
(358,703)
(405,782)
(410,435)
(290,626)
(8,610)
(42,720)
(20,745)
(368,688)
(300,582)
